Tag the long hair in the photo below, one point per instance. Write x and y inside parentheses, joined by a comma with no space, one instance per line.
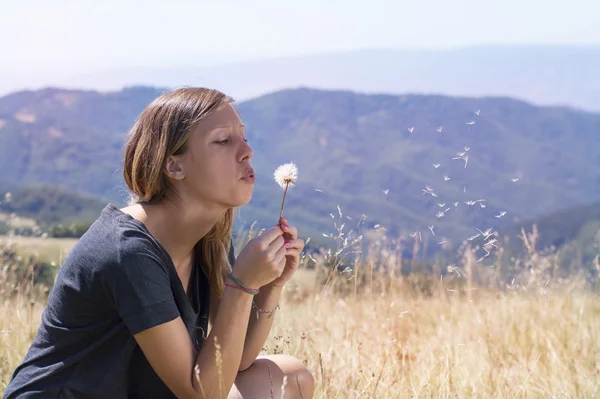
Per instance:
(162,130)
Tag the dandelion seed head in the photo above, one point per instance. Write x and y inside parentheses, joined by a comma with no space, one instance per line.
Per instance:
(286,175)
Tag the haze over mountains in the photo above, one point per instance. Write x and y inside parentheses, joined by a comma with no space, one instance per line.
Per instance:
(351,146)
(543,75)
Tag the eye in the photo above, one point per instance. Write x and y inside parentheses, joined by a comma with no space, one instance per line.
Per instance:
(223,141)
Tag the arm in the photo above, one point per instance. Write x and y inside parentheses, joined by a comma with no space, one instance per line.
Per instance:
(168,346)
(257,330)
(169,350)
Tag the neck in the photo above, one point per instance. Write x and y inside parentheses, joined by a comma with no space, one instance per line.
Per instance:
(178,227)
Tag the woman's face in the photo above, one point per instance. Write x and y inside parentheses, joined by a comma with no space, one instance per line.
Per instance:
(216,166)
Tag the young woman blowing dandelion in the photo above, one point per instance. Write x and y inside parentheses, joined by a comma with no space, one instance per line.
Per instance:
(129,312)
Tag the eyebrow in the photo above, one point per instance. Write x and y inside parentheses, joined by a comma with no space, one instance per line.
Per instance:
(229,126)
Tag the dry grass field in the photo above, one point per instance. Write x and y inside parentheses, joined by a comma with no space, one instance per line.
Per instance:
(369,333)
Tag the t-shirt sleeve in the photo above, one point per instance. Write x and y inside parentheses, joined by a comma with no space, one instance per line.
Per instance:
(139,286)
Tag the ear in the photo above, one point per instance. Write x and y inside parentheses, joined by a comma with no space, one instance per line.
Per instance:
(174,168)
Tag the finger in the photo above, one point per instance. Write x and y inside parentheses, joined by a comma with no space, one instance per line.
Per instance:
(270,235)
(280,257)
(290,231)
(275,246)
(297,243)
(293,252)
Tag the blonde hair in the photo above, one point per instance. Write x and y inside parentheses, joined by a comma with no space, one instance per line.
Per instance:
(162,130)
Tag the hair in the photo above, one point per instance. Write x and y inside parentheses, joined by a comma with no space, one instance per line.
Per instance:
(162,130)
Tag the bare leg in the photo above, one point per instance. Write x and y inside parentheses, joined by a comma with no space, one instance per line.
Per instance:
(264,379)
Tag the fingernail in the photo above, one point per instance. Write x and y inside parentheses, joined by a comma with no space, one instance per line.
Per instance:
(285,226)
(286,244)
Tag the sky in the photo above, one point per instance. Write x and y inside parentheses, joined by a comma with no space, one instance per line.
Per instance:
(43,38)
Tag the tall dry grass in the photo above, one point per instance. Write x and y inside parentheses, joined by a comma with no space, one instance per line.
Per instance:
(366,330)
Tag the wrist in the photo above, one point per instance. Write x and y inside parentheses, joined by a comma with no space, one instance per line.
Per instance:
(271,288)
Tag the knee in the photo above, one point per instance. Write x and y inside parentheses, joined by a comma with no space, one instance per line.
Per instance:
(306,383)
(302,380)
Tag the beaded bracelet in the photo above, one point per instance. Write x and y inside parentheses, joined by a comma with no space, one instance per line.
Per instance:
(246,290)
(241,285)
(259,310)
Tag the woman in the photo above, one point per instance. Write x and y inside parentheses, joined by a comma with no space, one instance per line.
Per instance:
(129,312)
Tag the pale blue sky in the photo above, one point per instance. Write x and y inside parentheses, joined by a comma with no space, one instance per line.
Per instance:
(42,39)
(95,34)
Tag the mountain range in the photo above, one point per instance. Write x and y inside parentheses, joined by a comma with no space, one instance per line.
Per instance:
(542,75)
(371,154)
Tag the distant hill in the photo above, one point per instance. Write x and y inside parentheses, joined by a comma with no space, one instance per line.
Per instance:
(577,226)
(351,146)
(49,204)
(544,75)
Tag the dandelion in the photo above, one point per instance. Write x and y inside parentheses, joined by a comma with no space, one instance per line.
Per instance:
(285,175)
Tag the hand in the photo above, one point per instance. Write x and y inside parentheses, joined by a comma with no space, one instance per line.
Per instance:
(262,260)
(292,255)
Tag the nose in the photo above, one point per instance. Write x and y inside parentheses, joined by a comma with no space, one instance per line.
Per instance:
(246,152)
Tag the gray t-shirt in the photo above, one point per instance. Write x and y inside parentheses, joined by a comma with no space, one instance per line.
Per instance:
(117,281)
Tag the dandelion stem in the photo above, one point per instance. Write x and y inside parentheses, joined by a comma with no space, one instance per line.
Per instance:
(283,200)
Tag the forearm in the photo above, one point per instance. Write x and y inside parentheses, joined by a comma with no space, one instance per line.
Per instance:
(258,329)
(229,328)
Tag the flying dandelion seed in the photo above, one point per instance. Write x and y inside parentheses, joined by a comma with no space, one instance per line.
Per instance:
(436,165)
(515,179)
(488,233)
(376,226)
(470,124)
(455,204)
(386,191)
(411,130)
(440,214)
(431,229)
(285,175)
(473,237)
(446,178)
(441,205)
(440,129)
(500,214)
(318,190)
(429,190)
(467,148)
(464,189)
(442,242)
(413,235)
(477,112)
